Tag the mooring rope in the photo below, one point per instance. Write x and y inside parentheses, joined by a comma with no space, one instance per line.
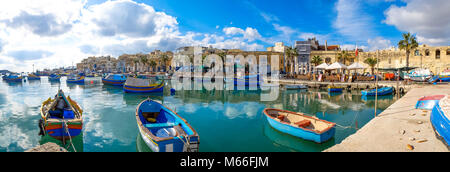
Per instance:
(70,137)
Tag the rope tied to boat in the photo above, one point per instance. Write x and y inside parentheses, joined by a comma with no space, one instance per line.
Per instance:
(68,133)
(187,143)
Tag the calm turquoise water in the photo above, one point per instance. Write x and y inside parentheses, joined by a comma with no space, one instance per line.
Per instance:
(225,120)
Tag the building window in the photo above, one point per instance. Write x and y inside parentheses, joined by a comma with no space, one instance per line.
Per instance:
(427,52)
(390,61)
(448,51)
(417,53)
(327,60)
(438,54)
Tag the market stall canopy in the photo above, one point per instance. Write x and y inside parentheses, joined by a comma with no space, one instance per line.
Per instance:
(336,65)
(356,65)
(322,66)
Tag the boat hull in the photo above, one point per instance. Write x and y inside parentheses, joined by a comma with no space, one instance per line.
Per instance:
(440,123)
(113,82)
(172,145)
(428,103)
(57,130)
(380,92)
(335,89)
(301,133)
(134,89)
(76,81)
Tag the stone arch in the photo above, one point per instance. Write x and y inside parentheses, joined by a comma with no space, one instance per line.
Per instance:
(427,52)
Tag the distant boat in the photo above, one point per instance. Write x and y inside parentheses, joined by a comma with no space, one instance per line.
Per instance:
(33,77)
(440,120)
(295,87)
(61,117)
(300,125)
(420,75)
(114,79)
(332,88)
(428,102)
(13,78)
(380,92)
(54,77)
(163,130)
(75,79)
(136,85)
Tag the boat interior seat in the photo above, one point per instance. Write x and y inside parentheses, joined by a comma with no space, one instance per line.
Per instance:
(160,125)
(150,116)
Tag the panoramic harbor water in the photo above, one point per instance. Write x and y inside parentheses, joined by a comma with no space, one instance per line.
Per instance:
(225,120)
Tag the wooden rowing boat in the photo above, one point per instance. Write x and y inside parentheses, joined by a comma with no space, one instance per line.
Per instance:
(163,130)
(300,125)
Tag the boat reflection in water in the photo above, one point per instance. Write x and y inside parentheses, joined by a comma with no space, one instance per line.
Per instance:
(141,146)
(295,143)
(76,146)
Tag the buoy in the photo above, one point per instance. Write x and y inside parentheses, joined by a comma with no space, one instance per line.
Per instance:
(92,82)
(172,90)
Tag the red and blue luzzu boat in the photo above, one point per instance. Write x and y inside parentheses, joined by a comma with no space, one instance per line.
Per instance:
(13,78)
(137,85)
(114,79)
(428,102)
(33,77)
(76,79)
(163,130)
(300,125)
(54,77)
(61,117)
(440,119)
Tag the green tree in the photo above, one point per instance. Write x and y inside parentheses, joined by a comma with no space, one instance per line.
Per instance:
(153,64)
(408,43)
(343,56)
(291,54)
(164,59)
(143,59)
(316,60)
(371,61)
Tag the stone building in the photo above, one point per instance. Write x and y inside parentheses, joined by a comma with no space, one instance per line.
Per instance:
(437,59)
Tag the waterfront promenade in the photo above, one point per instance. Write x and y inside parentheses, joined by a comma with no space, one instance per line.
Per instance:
(398,126)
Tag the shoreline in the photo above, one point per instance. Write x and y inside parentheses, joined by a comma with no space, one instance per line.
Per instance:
(397,127)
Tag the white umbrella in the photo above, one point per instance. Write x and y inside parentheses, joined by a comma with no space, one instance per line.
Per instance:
(356,65)
(322,66)
(336,65)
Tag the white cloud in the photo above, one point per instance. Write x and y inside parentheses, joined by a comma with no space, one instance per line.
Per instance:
(429,19)
(351,21)
(249,33)
(378,44)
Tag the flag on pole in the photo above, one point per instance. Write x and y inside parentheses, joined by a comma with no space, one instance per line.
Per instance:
(356,51)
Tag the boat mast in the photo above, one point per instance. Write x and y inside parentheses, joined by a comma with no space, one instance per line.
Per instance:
(376,82)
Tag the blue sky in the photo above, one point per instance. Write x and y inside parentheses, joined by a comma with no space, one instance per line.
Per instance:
(55,33)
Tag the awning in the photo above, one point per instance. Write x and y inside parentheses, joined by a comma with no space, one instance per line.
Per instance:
(336,65)
(356,65)
(322,66)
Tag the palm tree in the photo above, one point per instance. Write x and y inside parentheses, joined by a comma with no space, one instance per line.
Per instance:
(153,64)
(164,59)
(143,59)
(316,60)
(371,62)
(343,56)
(408,43)
(292,53)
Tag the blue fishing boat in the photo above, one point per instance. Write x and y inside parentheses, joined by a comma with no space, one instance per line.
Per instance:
(137,85)
(332,88)
(300,125)
(114,79)
(295,87)
(428,102)
(380,92)
(76,79)
(440,120)
(163,130)
(13,78)
(248,80)
(32,77)
(54,77)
